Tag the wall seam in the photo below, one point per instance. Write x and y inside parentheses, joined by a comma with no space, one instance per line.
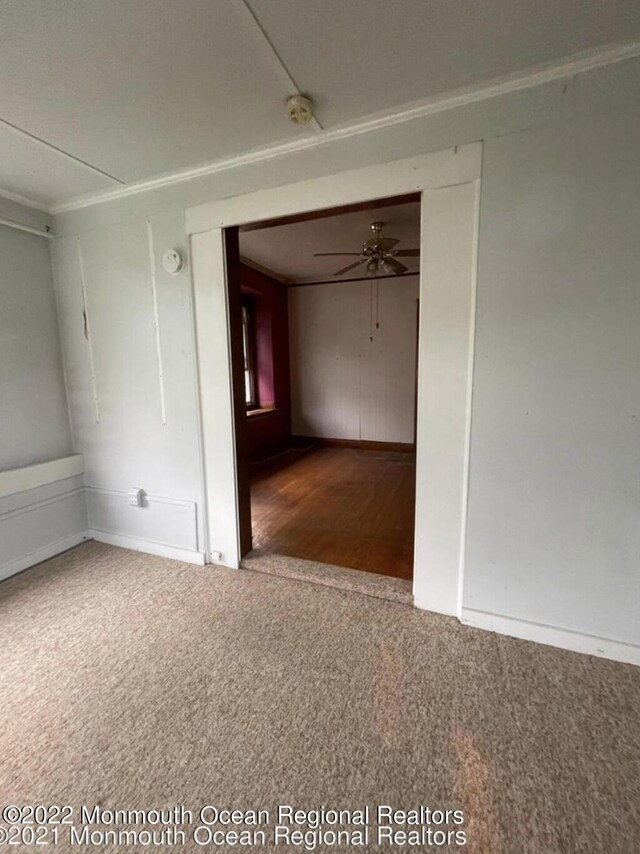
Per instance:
(156,319)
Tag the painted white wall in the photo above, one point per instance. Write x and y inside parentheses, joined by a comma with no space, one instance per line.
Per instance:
(349,379)
(554,506)
(131,382)
(552,515)
(42,509)
(34,420)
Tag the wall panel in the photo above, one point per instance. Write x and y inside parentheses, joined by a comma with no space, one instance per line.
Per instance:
(553,536)
(129,356)
(37,523)
(349,378)
(34,420)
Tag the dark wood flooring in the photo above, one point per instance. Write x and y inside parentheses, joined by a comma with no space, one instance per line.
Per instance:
(342,506)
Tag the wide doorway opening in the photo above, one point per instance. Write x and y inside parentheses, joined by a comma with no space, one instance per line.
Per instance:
(324,314)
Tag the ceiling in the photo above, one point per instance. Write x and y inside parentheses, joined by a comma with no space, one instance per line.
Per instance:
(97,94)
(287,251)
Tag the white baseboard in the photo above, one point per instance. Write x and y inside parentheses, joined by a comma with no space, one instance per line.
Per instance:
(419,602)
(147,546)
(44,553)
(552,636)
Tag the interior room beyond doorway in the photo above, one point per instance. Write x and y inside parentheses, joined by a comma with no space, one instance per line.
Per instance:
(345,506)
(330,329)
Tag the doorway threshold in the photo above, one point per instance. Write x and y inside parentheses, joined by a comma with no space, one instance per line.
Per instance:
(327,575)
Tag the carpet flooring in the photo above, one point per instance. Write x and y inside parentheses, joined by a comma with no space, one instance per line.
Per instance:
(131,681)
(313,572)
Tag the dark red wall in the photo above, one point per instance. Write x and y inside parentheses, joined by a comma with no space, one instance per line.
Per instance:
(268,431)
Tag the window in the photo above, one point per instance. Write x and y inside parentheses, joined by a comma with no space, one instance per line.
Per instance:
(248,348)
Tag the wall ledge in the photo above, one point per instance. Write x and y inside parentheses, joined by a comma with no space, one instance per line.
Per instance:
(552,636)
(40,474)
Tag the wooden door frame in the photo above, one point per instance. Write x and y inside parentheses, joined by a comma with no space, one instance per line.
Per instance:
(448,182)
(236,354)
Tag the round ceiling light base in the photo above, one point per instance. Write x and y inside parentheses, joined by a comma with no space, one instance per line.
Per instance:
(300,109)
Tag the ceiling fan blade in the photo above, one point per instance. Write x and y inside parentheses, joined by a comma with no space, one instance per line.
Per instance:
(386,243)
(326,254)
(350,267)
(407,253)
(396,266)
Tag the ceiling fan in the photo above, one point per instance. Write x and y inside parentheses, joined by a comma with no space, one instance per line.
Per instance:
(377,253)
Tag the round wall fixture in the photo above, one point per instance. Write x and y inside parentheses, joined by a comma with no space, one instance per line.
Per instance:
(299,109)
(172,261)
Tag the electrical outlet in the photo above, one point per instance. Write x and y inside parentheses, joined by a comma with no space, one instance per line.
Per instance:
(135,497)
(216,557)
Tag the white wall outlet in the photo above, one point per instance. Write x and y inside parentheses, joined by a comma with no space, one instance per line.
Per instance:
(136,497)
(216,557)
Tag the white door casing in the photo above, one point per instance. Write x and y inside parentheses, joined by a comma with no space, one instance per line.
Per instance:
(450,184)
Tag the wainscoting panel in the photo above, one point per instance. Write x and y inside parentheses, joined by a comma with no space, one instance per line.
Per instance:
(36,524)
(168,524)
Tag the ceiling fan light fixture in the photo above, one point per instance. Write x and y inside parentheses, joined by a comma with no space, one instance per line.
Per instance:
(377,253)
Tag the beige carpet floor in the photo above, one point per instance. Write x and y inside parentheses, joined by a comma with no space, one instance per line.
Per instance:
(131,681)
(339,577)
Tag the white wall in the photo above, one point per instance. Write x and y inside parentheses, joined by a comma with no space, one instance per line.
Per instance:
(552,517)
(343,384)
(131,383)
(34,421)
(42,510)
(554,506)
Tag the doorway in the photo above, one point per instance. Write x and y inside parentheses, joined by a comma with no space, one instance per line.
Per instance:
(449,185)
(329,316)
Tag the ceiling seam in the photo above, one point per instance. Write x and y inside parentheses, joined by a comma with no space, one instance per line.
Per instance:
(49,145)
(571,66)
(254,22)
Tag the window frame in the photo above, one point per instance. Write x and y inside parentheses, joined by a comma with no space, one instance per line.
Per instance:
(249,355)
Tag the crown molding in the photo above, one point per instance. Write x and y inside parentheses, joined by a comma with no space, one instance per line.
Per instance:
(548,73)
(23,200)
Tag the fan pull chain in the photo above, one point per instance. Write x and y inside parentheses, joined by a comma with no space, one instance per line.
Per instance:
(371,312)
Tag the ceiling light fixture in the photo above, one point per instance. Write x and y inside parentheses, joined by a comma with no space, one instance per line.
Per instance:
(300,109)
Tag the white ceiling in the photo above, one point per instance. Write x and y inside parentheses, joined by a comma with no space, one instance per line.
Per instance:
(287,250)
(365,56)
(111,92)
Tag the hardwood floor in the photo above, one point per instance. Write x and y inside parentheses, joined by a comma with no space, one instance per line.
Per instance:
(342,506)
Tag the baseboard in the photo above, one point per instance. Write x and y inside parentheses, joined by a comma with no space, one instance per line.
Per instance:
(43,553)
(552,636)
(362,444)
(147,546)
